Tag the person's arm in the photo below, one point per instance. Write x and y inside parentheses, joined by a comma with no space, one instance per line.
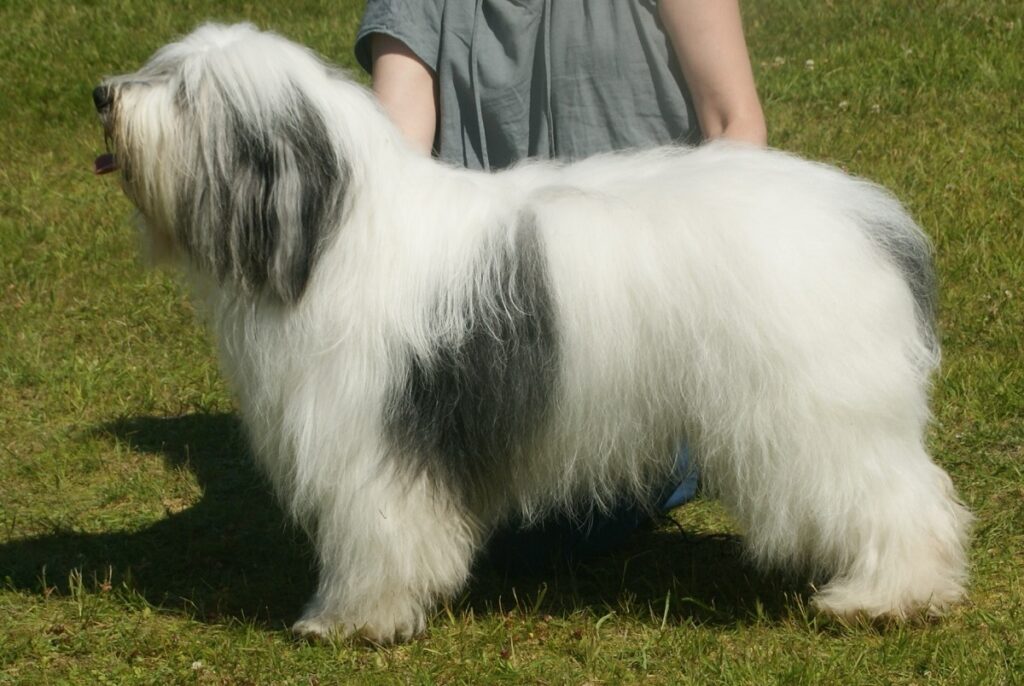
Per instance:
(708,39)
(406,88)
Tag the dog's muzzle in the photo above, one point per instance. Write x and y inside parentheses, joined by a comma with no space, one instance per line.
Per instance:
(103,98)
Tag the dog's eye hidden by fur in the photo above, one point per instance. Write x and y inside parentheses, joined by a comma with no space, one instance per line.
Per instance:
(181,96)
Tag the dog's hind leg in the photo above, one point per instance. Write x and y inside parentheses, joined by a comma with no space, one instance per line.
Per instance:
(858,504)
(820,456)
(895,541)
(387,550)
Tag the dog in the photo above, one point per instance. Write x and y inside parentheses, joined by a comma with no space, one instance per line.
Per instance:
(421,353)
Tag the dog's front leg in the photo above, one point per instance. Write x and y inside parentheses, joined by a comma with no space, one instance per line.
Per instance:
(388,549)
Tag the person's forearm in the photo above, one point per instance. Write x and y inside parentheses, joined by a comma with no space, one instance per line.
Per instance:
(707,36)
(407,90)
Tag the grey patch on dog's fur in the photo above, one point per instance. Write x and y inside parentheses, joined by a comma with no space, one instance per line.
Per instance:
(468,409)
(270,191)
(908,248)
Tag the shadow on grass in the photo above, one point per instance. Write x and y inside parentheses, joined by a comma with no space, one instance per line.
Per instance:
(229,555)
(232,556)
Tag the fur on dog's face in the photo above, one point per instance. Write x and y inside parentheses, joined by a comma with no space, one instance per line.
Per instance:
(240,179)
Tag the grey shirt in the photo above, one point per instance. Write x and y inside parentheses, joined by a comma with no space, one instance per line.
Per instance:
(541,78)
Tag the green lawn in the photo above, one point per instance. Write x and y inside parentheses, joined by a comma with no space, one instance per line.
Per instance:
(137,546)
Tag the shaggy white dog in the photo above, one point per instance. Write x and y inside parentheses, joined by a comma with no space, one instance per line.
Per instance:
(421,352)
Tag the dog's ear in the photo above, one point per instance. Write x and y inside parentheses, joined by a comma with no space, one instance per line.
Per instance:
(267,189)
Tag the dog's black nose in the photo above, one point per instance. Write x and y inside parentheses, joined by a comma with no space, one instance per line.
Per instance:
(102,97)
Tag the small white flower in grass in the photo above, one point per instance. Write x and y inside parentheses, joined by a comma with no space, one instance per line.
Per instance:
(197,665)
(809,65)
(844,105)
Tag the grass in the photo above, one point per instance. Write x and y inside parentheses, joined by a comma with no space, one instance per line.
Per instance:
(137,546)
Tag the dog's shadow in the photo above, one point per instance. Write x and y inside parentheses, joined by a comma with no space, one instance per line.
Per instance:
(228,555)
(232,556)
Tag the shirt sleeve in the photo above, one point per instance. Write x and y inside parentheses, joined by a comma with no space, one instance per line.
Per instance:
(417,23)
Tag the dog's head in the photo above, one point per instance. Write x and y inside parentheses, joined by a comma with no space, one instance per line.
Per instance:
(223,144)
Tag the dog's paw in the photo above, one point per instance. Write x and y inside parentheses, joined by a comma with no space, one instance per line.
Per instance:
(850,603)
(316,628)
(382,627)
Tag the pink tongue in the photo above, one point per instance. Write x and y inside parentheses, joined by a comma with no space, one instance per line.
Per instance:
(104,164)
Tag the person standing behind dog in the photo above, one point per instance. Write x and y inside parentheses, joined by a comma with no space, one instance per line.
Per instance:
(486,83)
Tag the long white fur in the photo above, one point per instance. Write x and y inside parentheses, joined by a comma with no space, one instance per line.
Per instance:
(726,295)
